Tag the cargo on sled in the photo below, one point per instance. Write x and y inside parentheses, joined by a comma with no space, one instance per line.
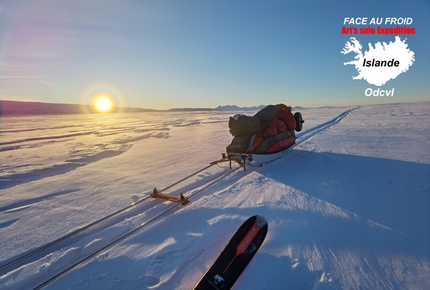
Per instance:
(263,137)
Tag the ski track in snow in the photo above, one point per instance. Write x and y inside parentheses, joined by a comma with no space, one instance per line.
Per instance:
(305,136)
(345,215)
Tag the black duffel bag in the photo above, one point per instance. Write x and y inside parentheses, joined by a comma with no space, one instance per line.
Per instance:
(266,115)
(241,125)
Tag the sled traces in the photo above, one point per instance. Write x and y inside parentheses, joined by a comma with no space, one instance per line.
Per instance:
(305,136)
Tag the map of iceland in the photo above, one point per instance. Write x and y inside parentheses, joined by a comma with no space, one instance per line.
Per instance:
(382,62)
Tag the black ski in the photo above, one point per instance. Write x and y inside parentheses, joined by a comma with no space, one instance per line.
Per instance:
(233,260)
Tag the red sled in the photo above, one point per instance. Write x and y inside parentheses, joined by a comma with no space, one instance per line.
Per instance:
(273,141)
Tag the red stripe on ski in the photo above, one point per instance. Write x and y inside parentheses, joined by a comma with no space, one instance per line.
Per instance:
(243,245)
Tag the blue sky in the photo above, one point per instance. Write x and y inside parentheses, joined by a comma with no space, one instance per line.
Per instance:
(168,54)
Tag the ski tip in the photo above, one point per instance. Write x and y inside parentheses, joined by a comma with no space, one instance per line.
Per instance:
(260,221)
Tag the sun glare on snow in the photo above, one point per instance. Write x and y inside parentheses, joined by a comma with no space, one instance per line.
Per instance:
(102,103)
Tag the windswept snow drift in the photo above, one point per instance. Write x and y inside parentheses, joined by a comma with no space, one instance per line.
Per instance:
(348,208)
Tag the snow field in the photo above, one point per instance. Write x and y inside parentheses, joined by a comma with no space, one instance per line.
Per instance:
(349,208)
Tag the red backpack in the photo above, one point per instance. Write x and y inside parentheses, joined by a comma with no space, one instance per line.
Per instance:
(284,113)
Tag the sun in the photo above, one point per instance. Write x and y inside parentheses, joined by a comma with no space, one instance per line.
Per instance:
(102,103)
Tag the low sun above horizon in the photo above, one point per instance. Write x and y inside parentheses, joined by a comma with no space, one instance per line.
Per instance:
(102,103)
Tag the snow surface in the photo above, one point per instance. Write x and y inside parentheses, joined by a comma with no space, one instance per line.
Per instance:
(348,208)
